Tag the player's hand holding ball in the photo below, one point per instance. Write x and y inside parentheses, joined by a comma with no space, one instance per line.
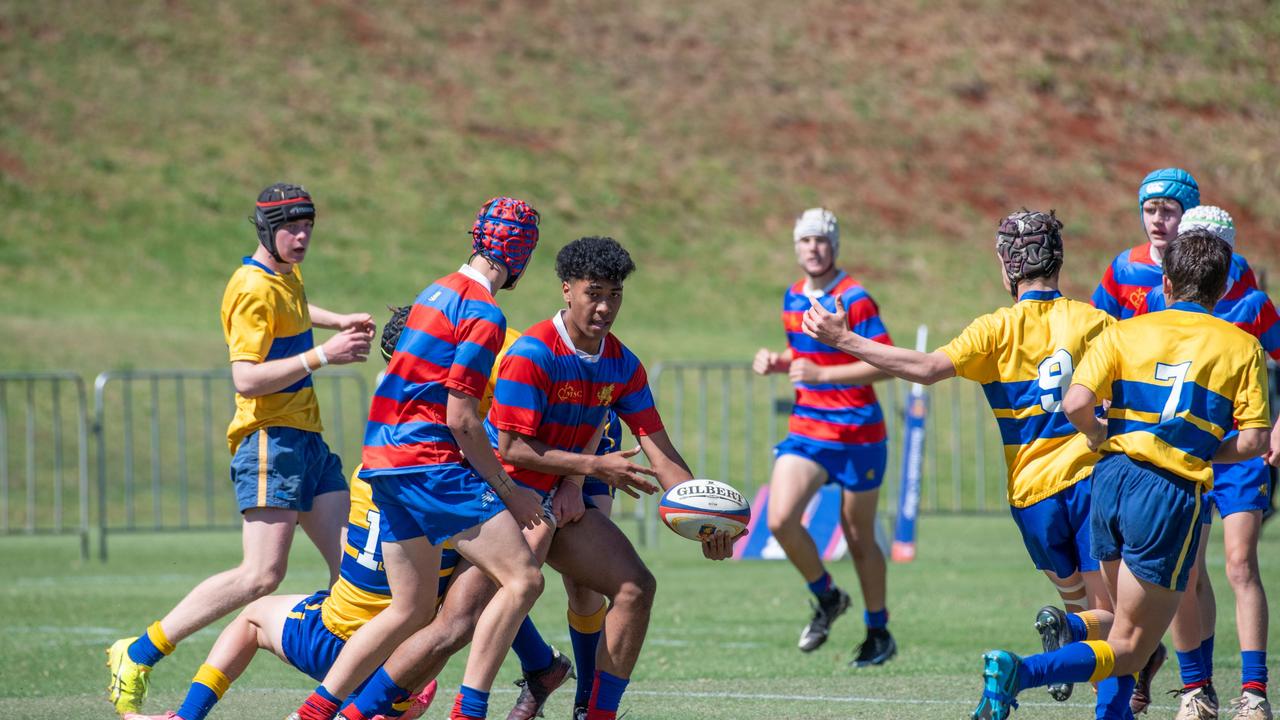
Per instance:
(708,511)
(617,470)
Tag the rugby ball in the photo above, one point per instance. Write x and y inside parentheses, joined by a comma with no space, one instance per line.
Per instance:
(697,508)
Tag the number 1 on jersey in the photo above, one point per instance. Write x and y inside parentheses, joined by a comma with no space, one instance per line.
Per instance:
(1178,374)
(366,558)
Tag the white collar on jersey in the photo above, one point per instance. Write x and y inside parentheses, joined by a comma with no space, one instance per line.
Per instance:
(820,292)
(558,321)
(478,276)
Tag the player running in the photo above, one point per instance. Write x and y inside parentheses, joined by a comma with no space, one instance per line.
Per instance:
(554,389)
(1241,494)
(836,435)
(422,421)
(1163,197)
(1177,381)
(1024,357)
(284,473)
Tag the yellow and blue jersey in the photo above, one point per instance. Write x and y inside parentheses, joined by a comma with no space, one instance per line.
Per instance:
(1024,357)
(265,317)
(361,590)
(1178,380)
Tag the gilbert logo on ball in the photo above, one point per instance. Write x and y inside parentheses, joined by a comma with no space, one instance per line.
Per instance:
(698,508)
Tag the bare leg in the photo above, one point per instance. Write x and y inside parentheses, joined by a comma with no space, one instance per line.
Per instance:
(1188,628)
(1143,613)
(412,567)
(858,517)
(584,601)
(420,659)
(1241,532)
(498,549)
(326,525)
(1072,590)
(259,626)
(267,535)
(795,480)
(576,552)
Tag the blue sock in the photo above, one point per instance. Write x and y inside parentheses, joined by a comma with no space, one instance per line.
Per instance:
(1190,667)
(1072,663)
(1206,657)
(1079,631)
(323,692)
(534,652)
(584,657)
(199,701)
(472,702)
(1113,698)
(876,620)
(378,695)
(145,652)
(1253,669)
(608,691)
(821,585)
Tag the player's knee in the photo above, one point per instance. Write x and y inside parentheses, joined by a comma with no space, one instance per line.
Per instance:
(526,586)
(638,592)
(780,523)
(1242,567)
(261,582)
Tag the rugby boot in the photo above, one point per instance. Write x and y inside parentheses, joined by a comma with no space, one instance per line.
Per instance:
(1251,706)
(1199,703)
(999,686)
(1141,697)
(830,605)
(1051,623)
(876,649)
(579,712)
(129,680)
(536,687)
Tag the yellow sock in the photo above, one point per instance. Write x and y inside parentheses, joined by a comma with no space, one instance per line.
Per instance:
(212,678)
(1104,659)
(588,624)
(156,634)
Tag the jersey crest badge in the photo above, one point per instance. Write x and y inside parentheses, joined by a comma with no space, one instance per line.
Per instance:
(605,396)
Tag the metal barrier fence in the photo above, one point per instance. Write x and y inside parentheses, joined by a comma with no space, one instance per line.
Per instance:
(725,420)
(47,410)
(160,437)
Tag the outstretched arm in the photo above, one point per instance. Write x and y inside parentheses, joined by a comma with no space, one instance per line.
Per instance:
(614,468)
(833,329)
(673,470)
(337,321)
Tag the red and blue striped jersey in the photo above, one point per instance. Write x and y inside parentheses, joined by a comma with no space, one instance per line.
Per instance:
(449,342)
(1135,273)
(1252,312)
(832,412)
(548,391)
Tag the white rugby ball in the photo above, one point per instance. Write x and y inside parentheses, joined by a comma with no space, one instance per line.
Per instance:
(698,508)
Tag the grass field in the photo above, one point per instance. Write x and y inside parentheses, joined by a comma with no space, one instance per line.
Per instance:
(721,644)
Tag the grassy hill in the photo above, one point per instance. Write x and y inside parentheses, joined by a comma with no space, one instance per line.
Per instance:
(136,136)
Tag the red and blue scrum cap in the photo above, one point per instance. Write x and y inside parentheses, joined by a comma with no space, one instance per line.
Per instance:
(506,231)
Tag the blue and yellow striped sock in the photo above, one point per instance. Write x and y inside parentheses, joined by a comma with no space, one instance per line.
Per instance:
(1091,660)
(151,646)
(1084,626)
(584,633)
(207,688)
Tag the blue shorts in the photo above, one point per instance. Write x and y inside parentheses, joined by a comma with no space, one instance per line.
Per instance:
(284,467)
(437,502)
(1056,531)
(307,644)
(856,468)
(1148,517)
(1240,487)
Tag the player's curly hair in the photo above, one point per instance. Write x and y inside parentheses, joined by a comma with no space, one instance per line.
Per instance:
(594,258)
(391,331)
